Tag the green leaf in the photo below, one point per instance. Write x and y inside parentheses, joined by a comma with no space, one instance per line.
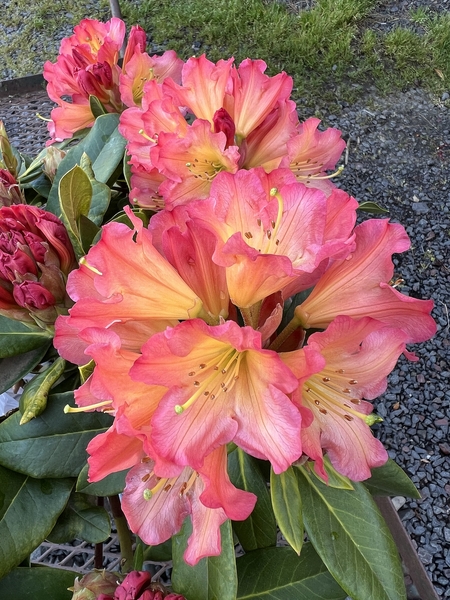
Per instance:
(28,511)
(287,506)
(12,369)
(34,397)
(335,479)
(259,530)
(104,146)
(160,553)
(279,574)
(96,107)
(138,557)
(101,193)
(212,578)
(81,520)
(352,538)
(75,195)
(37,583)
(53,444)
(372,207)
(109,486)
(391,480)
(17,338)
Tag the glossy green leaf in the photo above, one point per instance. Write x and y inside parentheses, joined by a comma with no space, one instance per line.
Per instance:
(280,574)
(259,530)
(104,146)
(109,486)
(372,207)
(29,509)
(12,369)
(37,583)
(212,578)
(391,480)
(160,553)
(18,338)
(352,538)
(75,195)
(34,397)
(53,444)
(335,479)
(97,108)
(101,193)
(81,520)
(287,506)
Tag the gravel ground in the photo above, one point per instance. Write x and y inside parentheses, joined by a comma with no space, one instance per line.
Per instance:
(398,155)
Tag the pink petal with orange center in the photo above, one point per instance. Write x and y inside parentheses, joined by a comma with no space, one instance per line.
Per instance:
(134,280)
(358,286)
(204,86)
(359,355)
(254,95)
(223,387)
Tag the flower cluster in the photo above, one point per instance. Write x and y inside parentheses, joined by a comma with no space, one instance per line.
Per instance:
(251,310)
(87,72)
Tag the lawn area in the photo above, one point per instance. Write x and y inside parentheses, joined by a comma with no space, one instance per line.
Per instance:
(334,49)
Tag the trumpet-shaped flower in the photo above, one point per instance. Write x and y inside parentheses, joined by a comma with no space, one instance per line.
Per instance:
(222,387)
(310,153)
(358,357)
(270,240)
(359,286)
(156,507)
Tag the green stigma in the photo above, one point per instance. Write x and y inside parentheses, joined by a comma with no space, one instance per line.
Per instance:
(178,409)
(147,494)
(372,419)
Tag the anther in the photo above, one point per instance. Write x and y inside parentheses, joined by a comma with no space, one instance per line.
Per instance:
(348,417)
(323,411)
(353,382)
(316,402)
(325,379)
(168,487)
(191,374)
(248,235)
(196,383)
(146,477)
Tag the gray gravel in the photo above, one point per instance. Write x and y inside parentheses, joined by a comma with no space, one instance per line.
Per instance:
(399,156)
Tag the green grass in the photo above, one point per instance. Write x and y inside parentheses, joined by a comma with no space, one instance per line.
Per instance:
(332,48)
(31,31)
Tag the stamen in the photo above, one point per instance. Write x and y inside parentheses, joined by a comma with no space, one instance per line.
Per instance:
(142,132)
(84,262)
(71,409)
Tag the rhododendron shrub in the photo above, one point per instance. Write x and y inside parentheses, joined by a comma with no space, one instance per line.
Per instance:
(222,324)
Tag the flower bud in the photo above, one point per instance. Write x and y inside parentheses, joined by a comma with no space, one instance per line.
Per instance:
(94,585)
(35,258)
(52,160)
(7,159)
(10,192)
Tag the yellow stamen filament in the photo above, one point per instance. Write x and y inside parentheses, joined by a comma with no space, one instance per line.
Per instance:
(221,377)
(71,409)
(205,169)
(327,397)
(298,173)
(147,137)
(84,262)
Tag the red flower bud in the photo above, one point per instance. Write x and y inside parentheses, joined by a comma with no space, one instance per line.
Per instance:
(10,192)
(35,258)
